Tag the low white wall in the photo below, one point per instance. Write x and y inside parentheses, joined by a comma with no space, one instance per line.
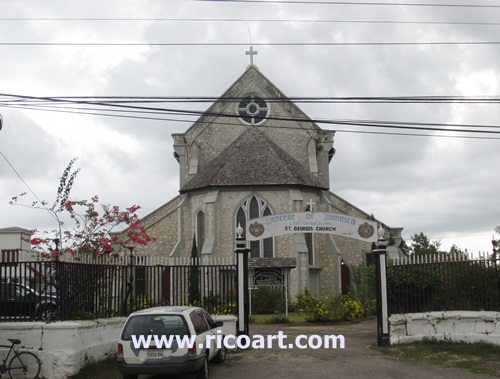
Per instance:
(229,327)
(464,326)
(65,347)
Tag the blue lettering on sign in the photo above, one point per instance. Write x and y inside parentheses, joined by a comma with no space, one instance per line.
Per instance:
(278,218)
(339,218)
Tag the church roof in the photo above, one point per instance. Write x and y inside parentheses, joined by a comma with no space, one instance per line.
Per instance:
(253,159)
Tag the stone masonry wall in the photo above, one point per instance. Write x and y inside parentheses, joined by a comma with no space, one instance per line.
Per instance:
(467,326)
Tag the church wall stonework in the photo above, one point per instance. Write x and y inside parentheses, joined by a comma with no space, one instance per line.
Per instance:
(163,225)
(307,146)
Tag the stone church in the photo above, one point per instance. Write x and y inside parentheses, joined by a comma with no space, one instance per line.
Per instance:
(254,153)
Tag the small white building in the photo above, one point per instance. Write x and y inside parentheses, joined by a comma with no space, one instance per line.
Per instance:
(15,247)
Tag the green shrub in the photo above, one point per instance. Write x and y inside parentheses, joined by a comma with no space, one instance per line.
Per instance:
(216,305)
(332,308)
(268,300)
(365,287)
(139,302)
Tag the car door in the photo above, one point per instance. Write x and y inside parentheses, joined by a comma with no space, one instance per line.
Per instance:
(213,330)
(13,304)
(23,300)
(202,329)
(4,299)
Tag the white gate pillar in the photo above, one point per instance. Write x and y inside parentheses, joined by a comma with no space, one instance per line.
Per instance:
(383,337)
(243,291)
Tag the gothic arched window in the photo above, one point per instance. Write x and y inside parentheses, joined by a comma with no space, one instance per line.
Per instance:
(200,230)
(253,208)
(309,237)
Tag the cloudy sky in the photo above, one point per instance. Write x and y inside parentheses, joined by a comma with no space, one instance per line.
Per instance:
(438,183)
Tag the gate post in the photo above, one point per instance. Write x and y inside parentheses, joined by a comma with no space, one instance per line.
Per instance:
(383,337)
(242,271)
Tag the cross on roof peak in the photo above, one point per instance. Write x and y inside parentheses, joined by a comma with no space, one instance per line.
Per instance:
(251,52)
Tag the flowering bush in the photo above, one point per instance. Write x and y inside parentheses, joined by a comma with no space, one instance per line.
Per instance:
(311,308)
(216,305)
(93,224)
(142,302)
(332,308)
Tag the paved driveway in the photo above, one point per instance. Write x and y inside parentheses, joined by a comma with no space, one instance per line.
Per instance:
(356,360)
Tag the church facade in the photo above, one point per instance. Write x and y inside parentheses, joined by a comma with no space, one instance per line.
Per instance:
(254,153)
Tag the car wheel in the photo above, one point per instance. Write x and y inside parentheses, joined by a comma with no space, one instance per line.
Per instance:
(46,313)
(221,355)
(202,373)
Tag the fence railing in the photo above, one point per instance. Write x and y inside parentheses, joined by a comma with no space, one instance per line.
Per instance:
(90,288)
(435,283)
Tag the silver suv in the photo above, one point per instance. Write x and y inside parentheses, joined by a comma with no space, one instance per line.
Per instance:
(152,342)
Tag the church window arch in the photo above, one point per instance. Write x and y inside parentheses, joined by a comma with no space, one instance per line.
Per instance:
(200,230)
(253,208)
(309,237)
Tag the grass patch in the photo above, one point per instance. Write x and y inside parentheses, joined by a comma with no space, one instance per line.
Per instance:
(105,369)
(280,318)
(478,357)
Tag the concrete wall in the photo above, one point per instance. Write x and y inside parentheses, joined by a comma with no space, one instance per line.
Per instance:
(464,326)
(65,347)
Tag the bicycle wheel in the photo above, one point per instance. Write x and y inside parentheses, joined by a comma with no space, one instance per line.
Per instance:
(24,365)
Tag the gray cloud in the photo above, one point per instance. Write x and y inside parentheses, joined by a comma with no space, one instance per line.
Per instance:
(441,186)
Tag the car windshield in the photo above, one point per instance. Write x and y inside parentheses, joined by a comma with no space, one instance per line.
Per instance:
(155,325)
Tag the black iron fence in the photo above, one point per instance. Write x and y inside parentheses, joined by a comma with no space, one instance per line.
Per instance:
(64,290)
(442,285)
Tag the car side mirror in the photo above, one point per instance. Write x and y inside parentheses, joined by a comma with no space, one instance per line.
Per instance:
(218,324)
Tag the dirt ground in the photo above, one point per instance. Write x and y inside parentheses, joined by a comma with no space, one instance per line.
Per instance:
(358,359)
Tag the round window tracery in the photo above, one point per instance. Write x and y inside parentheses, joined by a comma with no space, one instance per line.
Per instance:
(253,110)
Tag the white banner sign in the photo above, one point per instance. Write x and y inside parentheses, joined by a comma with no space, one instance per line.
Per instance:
(311,222)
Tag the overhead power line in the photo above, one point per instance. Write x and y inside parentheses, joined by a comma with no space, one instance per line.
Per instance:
(101,107)
(356,3)
(25,99)
(42,203)
(312,21)
(222,44)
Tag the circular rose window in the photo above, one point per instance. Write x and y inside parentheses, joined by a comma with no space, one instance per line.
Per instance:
(253,110)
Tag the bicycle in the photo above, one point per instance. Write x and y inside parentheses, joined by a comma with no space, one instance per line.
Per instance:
(23,365)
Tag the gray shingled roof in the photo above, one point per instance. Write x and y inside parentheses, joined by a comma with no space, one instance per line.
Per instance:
(253,159)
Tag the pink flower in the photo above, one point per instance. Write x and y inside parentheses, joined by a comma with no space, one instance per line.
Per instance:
(36,241)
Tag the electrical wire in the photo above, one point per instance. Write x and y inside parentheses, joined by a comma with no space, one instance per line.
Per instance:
(308,2)
(231,44)
(107,19)
(114,109)
(28,187)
